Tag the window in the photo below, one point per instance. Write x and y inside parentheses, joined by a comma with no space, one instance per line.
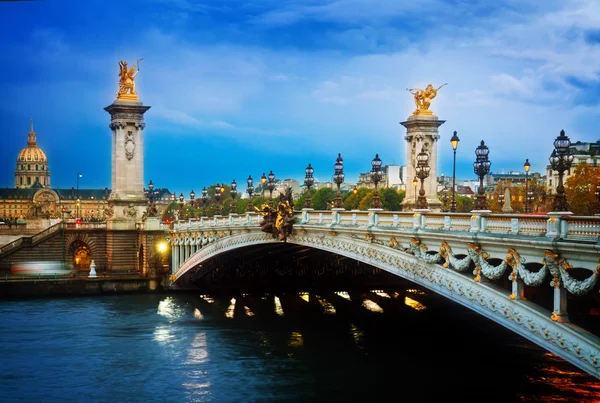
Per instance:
(29,180)
(36,167)
(21,180)
(550,182)
(29,167)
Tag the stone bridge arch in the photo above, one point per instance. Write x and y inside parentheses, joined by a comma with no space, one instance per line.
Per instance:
(82,246)
(532,322)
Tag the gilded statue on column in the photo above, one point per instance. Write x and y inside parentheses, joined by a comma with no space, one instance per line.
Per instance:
(423,99)
(126,81)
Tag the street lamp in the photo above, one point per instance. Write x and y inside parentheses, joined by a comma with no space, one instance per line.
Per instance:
(454,141)
(78,204)
(597,193)
(376,177)
(250,190)
(233,192)
(481,167)
(308,181)
(561,160)
(422,169)
(151,209)
(501,201)
(204,200)
(79,175)
(218,194)
(263,182)
(338,179)
(527,165)
(271,186)
(415,183)
(192,195)
(529,200)
(181,198)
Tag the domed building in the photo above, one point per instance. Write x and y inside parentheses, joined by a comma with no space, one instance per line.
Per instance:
(32,165)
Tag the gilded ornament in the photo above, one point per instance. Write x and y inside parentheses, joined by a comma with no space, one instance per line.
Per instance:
(127,76)
(423,99)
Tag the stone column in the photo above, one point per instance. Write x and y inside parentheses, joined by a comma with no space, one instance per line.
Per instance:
(127,198)
(421,133)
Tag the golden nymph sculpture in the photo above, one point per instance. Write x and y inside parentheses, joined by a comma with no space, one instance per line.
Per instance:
(423,99)
(126,81)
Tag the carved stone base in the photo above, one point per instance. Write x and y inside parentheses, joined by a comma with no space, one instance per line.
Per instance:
(126,214)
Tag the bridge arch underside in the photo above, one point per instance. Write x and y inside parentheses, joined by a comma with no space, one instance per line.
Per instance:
(376,262)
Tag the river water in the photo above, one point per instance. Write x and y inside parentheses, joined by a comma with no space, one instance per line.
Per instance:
(365,347)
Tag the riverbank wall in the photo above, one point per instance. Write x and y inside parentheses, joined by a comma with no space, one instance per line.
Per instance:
(39,288)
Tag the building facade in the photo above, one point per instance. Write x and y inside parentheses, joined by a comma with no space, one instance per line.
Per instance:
(33,197)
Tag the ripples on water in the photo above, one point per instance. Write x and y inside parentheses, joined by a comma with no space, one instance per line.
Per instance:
(264,348)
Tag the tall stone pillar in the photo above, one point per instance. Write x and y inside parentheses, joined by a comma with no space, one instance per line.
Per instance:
(127,198)
(421,133)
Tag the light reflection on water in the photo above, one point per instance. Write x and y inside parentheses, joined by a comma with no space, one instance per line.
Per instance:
(170,355)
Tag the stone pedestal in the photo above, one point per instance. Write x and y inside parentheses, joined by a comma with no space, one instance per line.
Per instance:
(422,133)
(127,201)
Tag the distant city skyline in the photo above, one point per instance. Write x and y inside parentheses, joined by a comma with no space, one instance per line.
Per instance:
(247,88)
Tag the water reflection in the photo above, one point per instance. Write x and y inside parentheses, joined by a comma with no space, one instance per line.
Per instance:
(230,309)
(248,311)
(381,293)
(295,340)
(327,307)
(343,294)
(357,335)
(278,307)
(372,306)
(198,314)
(414,304)
(169,309)
(305,297)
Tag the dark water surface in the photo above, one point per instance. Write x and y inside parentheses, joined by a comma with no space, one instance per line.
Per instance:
(182,348)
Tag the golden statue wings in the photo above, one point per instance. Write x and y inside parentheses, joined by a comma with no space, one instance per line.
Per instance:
(126,81)
(423,99)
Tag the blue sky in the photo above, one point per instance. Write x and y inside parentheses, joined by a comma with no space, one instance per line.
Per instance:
(239,88)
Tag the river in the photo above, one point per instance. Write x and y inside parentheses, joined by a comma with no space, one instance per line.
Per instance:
(405,346)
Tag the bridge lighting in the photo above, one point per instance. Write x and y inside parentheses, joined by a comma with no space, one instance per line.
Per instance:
(204,200)
(376,178)
(161,247)
(561,160)
(454,141)
(338,179)
(233,192)
(309,180)
(422,169)
(250,190)
(597,193)
(218,193)
(263,181)
(415,183)
(271,186)
(526,166)
(481,167)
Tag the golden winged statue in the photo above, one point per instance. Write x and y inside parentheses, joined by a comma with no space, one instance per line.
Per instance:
(126,81)
(423,99)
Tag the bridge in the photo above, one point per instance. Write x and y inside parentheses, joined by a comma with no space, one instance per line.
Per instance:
(490,263)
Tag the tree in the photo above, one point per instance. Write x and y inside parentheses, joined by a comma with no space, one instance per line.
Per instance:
(322,197)
(464,204)
(351,201)
(391,199)
(581,188)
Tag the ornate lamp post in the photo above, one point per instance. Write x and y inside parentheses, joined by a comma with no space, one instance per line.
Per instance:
(192,195)
(526,166)
(376,177)
(218,194)
(561,160)
(308,181)
(181,198)
(454,141)
(415,183)
(151,210)
(338,179)
(271,186)
(204,200)
(501,201)
(263,182)
(233,193)
(597,193)
(422,169)
(250,190)
(481,167)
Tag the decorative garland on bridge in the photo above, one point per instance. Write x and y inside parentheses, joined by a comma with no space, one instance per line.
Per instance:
(557,266)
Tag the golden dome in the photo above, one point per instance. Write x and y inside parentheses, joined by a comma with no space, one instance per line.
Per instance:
(32,153)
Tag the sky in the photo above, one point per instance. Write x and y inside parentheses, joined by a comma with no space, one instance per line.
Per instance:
(241,88)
